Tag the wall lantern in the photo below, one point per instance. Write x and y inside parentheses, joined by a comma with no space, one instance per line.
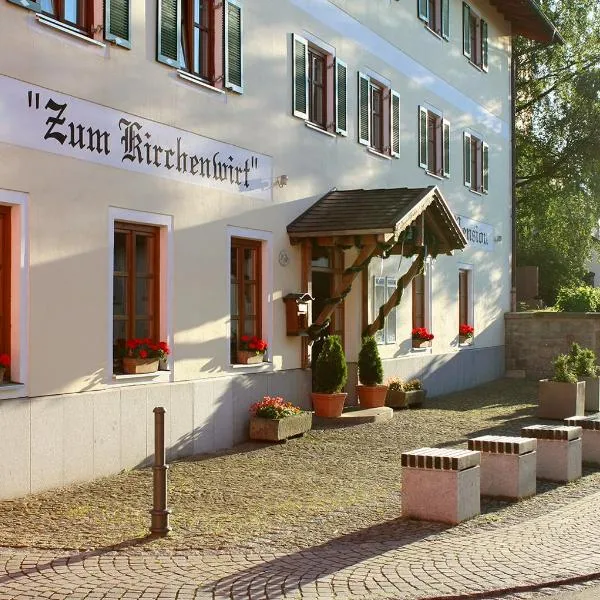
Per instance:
(296,313)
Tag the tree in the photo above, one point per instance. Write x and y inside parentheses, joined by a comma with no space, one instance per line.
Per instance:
(558,146)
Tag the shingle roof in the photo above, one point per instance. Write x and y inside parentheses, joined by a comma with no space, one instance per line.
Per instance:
(381,211)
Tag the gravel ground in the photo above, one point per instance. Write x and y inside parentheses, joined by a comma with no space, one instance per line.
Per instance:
(331,483)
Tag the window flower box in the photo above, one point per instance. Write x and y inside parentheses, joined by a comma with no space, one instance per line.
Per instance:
(249,357)
(137,366)
(421,338)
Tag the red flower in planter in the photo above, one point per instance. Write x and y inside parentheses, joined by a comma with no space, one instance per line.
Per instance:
(466,330)
(253,344)
(4,360)
(421,334)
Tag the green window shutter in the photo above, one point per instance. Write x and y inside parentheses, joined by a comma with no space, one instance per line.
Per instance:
(395,123)
(423,10)
(300,76)
(484,45)
(446,147)
(341,99)
(486,159)
(423,137)
(466,31)
(446,19)
(467,158)
(364,110)
(233,47)
(30,4)
(168,32)
(117,22)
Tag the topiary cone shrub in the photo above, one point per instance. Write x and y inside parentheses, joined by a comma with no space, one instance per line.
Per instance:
(331,371)
(370,369)
(371,393)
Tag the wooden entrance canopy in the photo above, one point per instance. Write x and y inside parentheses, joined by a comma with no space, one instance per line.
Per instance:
(406,221)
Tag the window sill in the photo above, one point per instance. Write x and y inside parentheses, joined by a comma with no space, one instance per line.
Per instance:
(377,153)
(478,192)
(12,389)
(435,33)
(50,22)
(197,81)
(157,376)
(432,174)
(254,366)
(426,350)
(319,129)
(476,66)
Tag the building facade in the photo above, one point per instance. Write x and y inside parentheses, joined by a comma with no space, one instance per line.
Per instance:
(152,155)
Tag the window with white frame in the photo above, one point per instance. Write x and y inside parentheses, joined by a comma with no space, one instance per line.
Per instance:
(476,163)
(378,116)
(383,288)
(436,15)
(475,38)
(203,38)
(319,85)
(434,142)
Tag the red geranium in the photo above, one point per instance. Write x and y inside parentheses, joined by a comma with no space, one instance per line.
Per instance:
(466,330)
(421,333)
(146,348)
(253,343)
(4,360)
(274,408)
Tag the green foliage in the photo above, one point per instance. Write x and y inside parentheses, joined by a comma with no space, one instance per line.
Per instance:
(395,384)
(412,385)
(582,361)
(331,371)
(580,298)
(558,149)
(563,371)
(370,369)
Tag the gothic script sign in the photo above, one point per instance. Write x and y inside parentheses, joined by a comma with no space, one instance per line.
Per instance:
(42,119)
(479,235)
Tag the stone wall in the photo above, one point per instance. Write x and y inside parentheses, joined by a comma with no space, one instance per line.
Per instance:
(534,339)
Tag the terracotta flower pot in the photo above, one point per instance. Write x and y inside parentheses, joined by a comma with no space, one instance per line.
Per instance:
(328,405)
(421,343)
(135,366)
(371,396)
(249,357)
(465,340)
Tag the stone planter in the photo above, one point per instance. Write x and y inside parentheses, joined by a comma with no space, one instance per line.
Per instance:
(399,399)
(137,366)
(559,400)
(371,396)
(249,357)
(275,430)
(328,405)
(421,343)
(592,394)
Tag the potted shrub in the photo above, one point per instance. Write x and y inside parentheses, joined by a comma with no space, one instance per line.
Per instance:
(421,338)
(583,362)
(371,392)
(252,350)
(402,394)
(331,373)
(272,420)
(465,334)
(143,355)
(562,396)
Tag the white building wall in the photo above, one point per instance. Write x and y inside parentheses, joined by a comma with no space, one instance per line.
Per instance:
(69,253)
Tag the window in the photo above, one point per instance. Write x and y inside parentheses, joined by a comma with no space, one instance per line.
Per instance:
(378,116)
(436,15)
(86,17)
(418,301)
(5,277)
(246,291)
(383,288)
(136,282)
(475,38)
(465,296)
(203,38)
(434,142)
(319,82)
(476,167)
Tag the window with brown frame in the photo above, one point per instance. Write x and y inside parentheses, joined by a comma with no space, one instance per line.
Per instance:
(246,291)
(5,291)
(418,301)
(463,297)
(475,38)
(76,13)
(434,142)
(198,37)
(436,15)
(136,282)
(317,87)
(476,163)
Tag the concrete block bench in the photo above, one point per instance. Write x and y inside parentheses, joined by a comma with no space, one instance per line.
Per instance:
(508,465)
(590,436)
(440,484)
(558,451)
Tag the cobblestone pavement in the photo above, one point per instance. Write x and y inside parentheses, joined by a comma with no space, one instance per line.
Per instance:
(516,561)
